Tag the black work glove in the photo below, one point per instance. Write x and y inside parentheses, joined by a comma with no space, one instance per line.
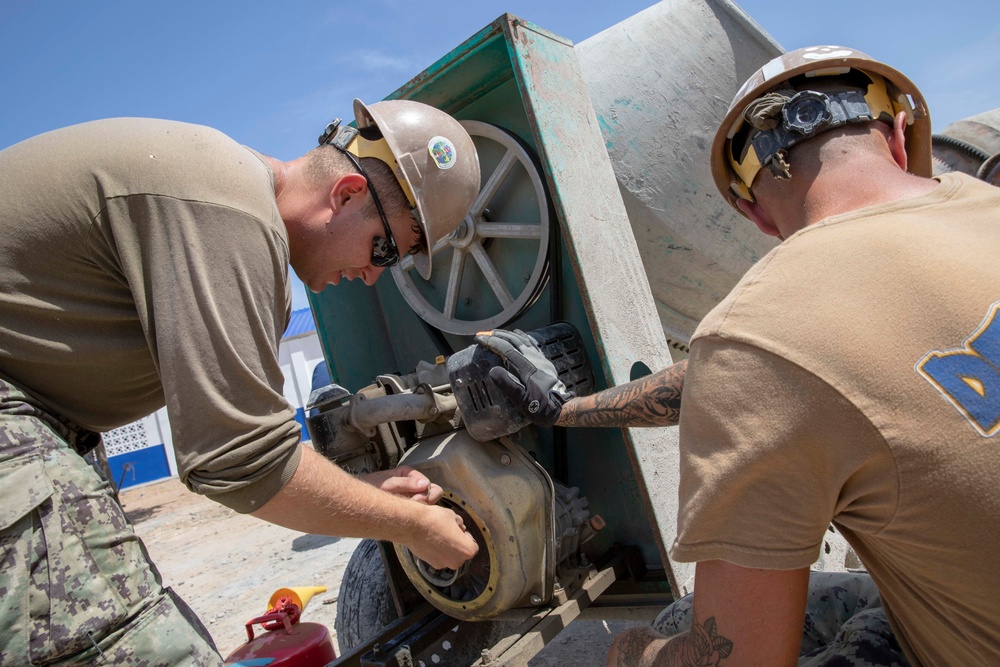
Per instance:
(536,388)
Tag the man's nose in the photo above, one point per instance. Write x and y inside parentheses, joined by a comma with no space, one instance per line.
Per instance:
(370,274)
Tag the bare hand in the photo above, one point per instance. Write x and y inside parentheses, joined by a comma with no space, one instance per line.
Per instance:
(443,541)
(407,482)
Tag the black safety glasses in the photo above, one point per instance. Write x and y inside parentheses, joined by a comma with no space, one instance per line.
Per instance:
(384,250)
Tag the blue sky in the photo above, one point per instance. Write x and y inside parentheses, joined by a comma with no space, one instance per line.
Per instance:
(271,75)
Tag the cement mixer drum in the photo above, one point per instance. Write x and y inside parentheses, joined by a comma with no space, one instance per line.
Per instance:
(971,146)
(660,83)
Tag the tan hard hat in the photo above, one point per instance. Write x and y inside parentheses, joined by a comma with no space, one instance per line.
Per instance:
(435,162)
(819,61)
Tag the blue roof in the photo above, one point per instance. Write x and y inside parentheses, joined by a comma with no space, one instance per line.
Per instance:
(300,323)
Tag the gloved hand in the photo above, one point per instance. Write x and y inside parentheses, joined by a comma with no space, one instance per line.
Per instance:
(536,388)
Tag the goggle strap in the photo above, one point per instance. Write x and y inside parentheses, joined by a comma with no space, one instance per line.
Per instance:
(380,150)
(349,140)
(877,100)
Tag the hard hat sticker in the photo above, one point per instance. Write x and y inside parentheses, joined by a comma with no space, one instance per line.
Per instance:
(823,52)
(442,151)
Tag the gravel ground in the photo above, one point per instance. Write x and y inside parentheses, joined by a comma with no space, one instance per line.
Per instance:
(226,565)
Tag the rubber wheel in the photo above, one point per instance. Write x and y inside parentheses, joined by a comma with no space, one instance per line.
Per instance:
(365,607)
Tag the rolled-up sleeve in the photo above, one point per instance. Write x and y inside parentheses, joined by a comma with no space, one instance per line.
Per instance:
(214,301)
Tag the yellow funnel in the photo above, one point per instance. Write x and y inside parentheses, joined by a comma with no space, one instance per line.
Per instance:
(299,595)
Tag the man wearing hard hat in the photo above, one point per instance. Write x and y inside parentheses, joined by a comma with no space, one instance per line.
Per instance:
(852,377)
(145,263)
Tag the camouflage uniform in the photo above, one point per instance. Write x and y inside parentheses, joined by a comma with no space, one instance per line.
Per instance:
(76,583)
(845,624)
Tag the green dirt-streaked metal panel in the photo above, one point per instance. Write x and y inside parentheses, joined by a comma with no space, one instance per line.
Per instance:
(340,311)
(467,73)
(527,80)
(605,258)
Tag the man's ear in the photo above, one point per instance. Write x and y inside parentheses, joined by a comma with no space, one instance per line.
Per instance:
(897,140)
(760,217)
(347,189)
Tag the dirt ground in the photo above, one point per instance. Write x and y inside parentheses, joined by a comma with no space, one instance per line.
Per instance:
(226,565)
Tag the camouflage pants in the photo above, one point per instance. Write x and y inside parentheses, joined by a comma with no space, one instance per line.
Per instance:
(76,583)
(845,625)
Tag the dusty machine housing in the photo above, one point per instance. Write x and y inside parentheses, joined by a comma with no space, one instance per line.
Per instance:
(584,149)
(449,421)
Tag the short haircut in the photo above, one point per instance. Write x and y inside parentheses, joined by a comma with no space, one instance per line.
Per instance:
(327,164)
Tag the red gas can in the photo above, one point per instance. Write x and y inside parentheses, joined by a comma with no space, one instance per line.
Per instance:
(286,642)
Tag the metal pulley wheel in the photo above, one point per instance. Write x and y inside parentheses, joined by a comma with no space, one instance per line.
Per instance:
(494,266)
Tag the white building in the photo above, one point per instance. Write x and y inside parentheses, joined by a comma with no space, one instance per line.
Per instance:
(143,451)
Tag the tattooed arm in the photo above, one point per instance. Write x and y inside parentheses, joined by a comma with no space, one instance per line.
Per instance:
(654,400)
(752,617)
(701,646)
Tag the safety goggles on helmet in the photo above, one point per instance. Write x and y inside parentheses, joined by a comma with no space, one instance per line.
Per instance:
(734,162)
(354,143)
(761,140)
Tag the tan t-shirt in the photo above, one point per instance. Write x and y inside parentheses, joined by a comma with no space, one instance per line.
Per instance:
(142,263)
(853,376)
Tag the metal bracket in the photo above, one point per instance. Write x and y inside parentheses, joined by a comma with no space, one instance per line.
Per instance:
(535,632)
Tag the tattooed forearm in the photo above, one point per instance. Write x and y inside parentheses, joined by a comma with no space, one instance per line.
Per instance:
(701,646)
(630,647)
(654,400)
